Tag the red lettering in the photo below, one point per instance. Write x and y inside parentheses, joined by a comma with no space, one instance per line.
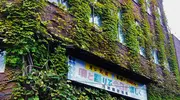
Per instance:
(106,73)
(83,72)
(90,76)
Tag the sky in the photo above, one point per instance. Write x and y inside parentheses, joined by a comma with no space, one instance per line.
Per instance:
(172,12)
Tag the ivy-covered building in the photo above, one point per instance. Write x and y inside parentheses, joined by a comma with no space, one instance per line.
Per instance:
(177,48)
(86,50)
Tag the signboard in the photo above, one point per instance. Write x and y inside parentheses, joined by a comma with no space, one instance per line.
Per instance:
(85,73)
(2,61)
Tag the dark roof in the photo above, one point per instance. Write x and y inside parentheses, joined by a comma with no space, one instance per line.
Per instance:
(108,65)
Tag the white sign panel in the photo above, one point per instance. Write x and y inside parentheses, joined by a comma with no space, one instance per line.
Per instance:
(91,75)
(2,61)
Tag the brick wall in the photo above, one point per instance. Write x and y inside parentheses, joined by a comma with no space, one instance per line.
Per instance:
(6,83)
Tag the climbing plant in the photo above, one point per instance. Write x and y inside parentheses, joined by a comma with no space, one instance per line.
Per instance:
(148,40)
(131,35)
(41,55)
(101,40)
(31,44)
(173,60)
(169,85)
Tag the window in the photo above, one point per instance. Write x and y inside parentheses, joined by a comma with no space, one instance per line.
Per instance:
(155,56)
(54,1)
(137,1)
(160,16)
(159,11)
(2,61)
(166,63)
(148,10)
(95,19)
(137,23)
(120,35)
(120,32)
(148,7)
(63,2)
(120,15)
(142,51)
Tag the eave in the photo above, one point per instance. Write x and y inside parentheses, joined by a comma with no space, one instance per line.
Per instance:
(108,65)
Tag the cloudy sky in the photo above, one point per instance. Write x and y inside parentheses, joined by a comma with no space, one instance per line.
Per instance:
(172,8)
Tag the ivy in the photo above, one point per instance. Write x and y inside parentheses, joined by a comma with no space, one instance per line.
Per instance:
(31,44)
(148,39)
(101,40)
(160,93)
(21,34)
(131,35)
(173,60)
(159,36)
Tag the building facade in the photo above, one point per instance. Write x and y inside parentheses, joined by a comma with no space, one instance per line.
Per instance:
(177,48)
(86,50)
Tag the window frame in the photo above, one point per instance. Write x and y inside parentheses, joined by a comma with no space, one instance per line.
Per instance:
(137,23)
(95,19)
(167,66)
(136,1)
(142,52)
(148,7)
(155,56)
(63,2)
(160,15)
(120,35)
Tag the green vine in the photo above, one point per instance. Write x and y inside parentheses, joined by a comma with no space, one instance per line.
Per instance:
(31,43)
(148,40)
(159,36)
(29,39)
(173,60)
(131,35)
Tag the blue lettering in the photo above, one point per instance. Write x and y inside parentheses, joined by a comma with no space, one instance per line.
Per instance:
(109,82)
(132,89)
(97,77)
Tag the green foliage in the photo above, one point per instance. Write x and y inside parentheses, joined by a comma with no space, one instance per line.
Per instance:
(22,24)
(169,85)
(24,30)
(160,42)
(131,35)
(148,39)
(160,93)
(159,36)
(100,40)
(146,30)
(53,83)
(173,60)
(26,34)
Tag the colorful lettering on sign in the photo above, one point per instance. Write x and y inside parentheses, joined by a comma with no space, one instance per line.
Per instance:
(97,77)
(101,71)
(132,89)
(89,74)
(109,82)
(104,81)
(83,72)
